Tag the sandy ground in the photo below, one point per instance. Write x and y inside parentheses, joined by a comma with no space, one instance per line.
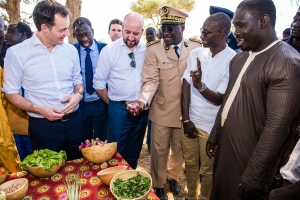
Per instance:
(144,165)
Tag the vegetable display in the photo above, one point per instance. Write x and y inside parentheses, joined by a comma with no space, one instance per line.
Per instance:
(44,158)
(89,143)
(134,187)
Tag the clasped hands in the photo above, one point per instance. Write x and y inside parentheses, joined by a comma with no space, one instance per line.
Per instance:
(135,107)
(52,113)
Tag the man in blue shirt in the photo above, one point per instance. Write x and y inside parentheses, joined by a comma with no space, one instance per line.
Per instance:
(94,109)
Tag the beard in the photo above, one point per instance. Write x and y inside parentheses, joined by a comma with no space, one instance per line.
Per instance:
(130,44)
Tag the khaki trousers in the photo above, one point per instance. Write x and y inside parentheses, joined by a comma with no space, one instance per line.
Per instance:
(165,141)
(193,149)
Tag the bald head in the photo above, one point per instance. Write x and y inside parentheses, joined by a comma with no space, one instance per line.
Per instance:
(221,20)
(134,17)
(132,29)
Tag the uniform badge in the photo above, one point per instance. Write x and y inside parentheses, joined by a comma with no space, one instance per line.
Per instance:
(165,10)
(186,44)
(228,40)
(167,47)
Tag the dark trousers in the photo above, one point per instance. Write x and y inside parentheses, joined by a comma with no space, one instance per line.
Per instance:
(95,116)
(23,145)
(127,130)
(57,135)
(148,141)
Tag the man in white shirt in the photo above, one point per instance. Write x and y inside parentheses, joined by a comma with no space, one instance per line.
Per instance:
(120,67)
(204,83)
(49,71)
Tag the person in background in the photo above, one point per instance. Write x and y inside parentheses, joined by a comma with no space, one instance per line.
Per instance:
(204,84)
(3,46)
(286,33)
(259,106)
(294,39)
(231,41)
(164,66)
(115,29)
(51,92)
(95,113)
(16,33)
(120,67)
(150,34)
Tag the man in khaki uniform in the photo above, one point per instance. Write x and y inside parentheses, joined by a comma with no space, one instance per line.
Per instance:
(162,72)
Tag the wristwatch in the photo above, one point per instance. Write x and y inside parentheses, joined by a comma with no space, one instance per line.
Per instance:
(186,121)
(202,88)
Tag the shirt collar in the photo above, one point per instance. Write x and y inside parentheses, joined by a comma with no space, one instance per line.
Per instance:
(179,45)
(36,41)
(93,47)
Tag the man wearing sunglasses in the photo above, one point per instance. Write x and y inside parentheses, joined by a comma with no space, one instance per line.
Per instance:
(120,67)
(164,66)
(204,84)
(231,41)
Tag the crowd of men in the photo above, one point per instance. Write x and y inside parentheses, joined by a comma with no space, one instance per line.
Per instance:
(226,104)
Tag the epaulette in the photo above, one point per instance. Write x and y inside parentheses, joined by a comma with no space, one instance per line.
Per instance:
(195,40)
(153,42)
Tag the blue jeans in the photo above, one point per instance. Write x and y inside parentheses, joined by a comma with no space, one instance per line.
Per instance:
(57,135)
(127,130)
(95,116)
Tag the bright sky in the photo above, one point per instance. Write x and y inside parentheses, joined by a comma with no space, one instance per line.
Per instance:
(101,12)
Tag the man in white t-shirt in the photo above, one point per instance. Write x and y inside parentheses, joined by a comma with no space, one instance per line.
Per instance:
(204,83)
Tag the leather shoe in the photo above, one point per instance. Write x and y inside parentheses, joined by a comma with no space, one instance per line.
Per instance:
(174,187)
(160,193)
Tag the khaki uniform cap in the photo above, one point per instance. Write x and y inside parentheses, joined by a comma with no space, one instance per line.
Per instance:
(172,15)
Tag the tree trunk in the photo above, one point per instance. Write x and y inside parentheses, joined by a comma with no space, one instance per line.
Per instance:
(12,8)
(74,7)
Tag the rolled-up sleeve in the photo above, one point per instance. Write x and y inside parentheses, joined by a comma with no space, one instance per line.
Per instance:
(103,70)
(12,73)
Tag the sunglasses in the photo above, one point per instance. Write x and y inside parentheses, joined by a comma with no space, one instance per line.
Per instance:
(169,28)
(132,63)
(205,33)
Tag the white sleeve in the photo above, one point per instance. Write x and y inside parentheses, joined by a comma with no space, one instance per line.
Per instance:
(103,69)
(12,73)
(77,75)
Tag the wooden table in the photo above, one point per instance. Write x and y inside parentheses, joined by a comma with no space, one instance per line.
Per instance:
(53,188)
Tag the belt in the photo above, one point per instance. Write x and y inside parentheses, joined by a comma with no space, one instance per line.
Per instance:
(122,102)
(68,116)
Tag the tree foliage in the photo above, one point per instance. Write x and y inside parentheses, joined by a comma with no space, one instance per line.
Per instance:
(148,8)
(12,10)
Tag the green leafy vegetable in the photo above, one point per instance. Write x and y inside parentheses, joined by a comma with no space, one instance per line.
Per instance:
(134,187)
(44,158)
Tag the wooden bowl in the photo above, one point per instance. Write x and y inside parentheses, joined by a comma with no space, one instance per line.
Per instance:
(19,193)
(124,175)
(3,178)
(41,172)
(107,174)
(100,153)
